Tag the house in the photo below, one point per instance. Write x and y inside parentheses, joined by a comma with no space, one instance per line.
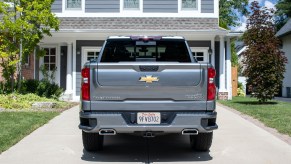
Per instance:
(85,24)
(285,35)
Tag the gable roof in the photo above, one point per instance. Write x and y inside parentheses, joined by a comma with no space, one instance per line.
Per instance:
(139,23)
(285,30)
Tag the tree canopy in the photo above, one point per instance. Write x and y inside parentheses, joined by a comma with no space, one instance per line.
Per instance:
(265,62)
(283,12)
(229,10)
(24,23)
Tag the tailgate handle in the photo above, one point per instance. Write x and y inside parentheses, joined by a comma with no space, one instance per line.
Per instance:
(148,68)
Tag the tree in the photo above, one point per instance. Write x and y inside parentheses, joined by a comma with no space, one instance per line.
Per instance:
(283,13)
(24,24)
(228,10)
(265,63)
(228,16)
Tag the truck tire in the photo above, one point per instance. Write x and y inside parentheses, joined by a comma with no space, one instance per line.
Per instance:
(92,141)
(201,142)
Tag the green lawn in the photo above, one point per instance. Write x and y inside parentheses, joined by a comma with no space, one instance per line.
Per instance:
(16,125)
(274,114)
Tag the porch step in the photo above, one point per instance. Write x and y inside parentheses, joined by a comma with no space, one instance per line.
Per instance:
(66,97)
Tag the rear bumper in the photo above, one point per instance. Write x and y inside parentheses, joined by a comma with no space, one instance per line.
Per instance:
(201,121)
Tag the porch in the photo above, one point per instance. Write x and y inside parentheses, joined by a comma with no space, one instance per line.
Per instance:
(74,45)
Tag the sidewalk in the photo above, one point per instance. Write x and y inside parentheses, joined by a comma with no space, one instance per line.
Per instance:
(283,99)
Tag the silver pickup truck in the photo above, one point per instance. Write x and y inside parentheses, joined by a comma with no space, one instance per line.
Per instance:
(147,86)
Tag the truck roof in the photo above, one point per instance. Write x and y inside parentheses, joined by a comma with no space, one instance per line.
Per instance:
(142,37)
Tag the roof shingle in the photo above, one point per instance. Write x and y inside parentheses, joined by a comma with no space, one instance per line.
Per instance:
(137,23)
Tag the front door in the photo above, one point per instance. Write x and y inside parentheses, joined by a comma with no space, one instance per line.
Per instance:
(48,64)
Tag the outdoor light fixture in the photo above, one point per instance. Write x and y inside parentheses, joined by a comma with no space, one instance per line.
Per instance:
(210,51)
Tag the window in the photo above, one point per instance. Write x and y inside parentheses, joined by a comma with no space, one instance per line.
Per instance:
(143,51)
(26,59)
(189,4)
(74,4)
(92,55)
(89,53)
(131,4)
(50,59)
(200,54)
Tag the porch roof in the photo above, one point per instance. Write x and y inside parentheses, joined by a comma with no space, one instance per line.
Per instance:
(85,24)
(285,30)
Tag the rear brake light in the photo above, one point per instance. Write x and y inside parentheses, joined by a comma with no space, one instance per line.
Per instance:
(85,89)
(211,88)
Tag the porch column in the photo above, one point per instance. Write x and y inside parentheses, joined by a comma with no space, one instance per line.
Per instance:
(228,69)
(222,90)
(69,88)
(213,51)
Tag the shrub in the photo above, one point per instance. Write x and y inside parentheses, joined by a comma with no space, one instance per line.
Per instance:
(24,101)
(42,88)
(49,90)
(29,86)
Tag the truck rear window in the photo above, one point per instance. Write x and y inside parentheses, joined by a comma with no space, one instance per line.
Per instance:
(139,51)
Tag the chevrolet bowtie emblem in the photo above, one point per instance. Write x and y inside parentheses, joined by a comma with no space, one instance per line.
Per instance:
(149,79)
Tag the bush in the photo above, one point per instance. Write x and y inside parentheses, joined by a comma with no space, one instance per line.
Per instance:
(24,101)
(42,88)
(46,89)
(240,90)
(29,86)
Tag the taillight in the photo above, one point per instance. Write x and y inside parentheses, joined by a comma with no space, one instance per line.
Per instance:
(85,84)
(211,88)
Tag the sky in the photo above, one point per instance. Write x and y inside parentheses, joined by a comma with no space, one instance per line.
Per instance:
(266,3)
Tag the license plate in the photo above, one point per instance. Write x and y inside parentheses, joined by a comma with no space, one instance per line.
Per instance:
(148,118)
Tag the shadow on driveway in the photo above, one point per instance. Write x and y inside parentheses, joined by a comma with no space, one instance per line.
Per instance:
(128,148)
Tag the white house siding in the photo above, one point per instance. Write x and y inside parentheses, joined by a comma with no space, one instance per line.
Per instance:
(287,49)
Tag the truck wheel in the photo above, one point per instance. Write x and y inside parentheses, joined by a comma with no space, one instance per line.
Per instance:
(92,141)
(201,142)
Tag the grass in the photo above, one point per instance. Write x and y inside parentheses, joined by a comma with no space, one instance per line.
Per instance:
(274,114)
(17,119)
(16,125)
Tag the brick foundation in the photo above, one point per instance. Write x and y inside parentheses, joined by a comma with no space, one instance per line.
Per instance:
(27,69)
(223,95)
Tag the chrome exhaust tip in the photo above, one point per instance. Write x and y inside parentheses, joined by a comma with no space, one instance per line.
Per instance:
(190,132)
(107,132)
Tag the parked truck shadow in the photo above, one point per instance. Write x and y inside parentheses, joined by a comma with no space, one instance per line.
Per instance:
(128,148)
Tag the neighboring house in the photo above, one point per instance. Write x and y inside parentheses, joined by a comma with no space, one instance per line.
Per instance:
(240,48)
(85,24)
(285,35)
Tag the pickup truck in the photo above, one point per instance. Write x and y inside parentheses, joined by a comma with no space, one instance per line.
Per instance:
(147,85)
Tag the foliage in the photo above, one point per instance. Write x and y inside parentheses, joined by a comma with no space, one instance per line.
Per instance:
(228,10)
(234,58)
(283,13)
(48,75)
(240,90)
(24,101)
(14,126)
(29,86)
(265,63)
(49,90)
(42,88)
(274,114)
(24,23)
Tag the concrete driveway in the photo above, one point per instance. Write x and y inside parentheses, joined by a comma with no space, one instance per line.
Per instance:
(237,141)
